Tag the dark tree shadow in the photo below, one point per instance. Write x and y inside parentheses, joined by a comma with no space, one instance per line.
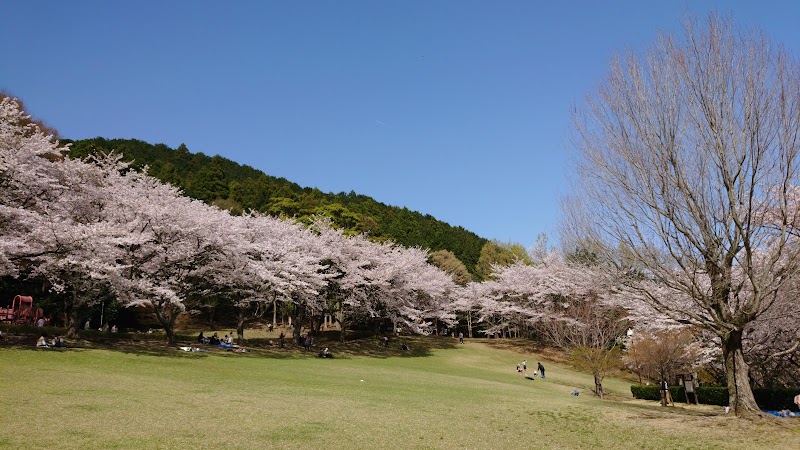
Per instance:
(156,345)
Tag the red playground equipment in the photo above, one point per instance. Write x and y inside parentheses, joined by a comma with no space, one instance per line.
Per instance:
(21,311)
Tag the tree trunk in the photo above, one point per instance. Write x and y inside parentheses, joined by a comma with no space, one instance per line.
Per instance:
(274,311)
(240,325)
(598,387)
(297,330)
(740,395)
(318,326)
(469,323)
(166,316)
(296,322)
(73,323)
(71,315)
(342,324)
(170,332)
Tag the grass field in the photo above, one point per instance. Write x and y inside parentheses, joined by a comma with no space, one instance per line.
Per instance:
(439,395)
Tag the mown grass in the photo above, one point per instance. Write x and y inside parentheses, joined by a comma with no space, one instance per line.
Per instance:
(438,395)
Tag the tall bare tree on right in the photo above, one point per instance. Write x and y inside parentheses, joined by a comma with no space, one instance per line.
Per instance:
(686,156)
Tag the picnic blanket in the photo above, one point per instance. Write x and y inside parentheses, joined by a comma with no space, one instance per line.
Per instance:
(784,413)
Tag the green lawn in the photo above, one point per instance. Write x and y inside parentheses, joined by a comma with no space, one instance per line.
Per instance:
(448,396)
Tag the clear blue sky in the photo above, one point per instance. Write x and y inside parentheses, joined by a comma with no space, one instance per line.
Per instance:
(458,109)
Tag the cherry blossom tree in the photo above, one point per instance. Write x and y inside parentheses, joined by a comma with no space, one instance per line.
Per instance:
(55,213)
(266,258)
(26,182)
(171,240)
(522,294)
(78,247)
(418,292)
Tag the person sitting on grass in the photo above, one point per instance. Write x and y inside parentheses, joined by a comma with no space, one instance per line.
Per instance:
(42,342)
(58,342)
(214,339)
(201,339)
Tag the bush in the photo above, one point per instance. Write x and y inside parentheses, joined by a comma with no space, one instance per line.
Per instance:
(707,395)
(645,392)
(653,393)
(766,398)
(712,395)
(776,398)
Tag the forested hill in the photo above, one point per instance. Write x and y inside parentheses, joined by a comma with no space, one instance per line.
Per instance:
(239,187)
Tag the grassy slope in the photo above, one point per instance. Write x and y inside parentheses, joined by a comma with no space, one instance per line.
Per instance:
(456,397)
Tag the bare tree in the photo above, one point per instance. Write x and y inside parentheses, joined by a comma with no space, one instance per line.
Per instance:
(687,156)
(599,361)
(591,330)
(663,353)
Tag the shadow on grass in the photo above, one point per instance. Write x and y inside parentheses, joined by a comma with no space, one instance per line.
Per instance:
(373,347)
(156,345)
(654,410)
(521,345)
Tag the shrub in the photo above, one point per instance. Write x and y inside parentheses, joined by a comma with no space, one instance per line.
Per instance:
(712,395)
(653,393)
(776,398)
(766,398)
(645,392)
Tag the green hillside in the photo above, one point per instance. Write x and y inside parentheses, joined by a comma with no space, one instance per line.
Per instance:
(237,187)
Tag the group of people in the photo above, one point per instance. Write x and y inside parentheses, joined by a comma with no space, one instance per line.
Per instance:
(104,328)
(306,342)
(523,369)
(56,342)
(215,339)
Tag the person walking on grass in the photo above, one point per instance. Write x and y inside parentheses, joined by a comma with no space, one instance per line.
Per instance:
(461,337)
(667,395)
(525,367)
(541,368)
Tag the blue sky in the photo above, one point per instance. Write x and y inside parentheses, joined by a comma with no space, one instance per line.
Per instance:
(458,109)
